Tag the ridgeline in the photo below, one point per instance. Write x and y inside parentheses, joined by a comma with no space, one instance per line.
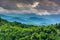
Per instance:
(18,31)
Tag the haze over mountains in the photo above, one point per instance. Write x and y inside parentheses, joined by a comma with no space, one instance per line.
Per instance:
(32,18)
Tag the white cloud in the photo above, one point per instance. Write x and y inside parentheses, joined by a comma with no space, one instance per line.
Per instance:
(35,4)
(2,9)
(30,10)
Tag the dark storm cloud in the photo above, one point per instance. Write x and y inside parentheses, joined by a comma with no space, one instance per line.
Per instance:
(44,4)
(35,5)
(8,4)
(11,4)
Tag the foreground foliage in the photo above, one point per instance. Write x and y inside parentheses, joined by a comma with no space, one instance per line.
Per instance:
(18,31)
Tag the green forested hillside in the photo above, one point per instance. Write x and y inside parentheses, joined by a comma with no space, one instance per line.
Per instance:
(18,31)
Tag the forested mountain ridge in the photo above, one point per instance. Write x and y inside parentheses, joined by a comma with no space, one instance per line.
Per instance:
(18,31)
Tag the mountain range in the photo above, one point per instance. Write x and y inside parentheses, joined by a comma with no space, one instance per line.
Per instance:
(32,18)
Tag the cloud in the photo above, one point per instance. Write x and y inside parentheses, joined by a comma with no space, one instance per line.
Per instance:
(35,4)
(39,7)
(37,12)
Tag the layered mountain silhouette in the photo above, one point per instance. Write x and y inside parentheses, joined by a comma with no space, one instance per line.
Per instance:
(32,18)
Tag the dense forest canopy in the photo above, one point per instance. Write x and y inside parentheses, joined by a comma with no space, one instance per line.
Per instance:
(18,31)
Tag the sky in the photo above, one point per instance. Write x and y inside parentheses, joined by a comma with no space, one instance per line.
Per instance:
(39,7)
